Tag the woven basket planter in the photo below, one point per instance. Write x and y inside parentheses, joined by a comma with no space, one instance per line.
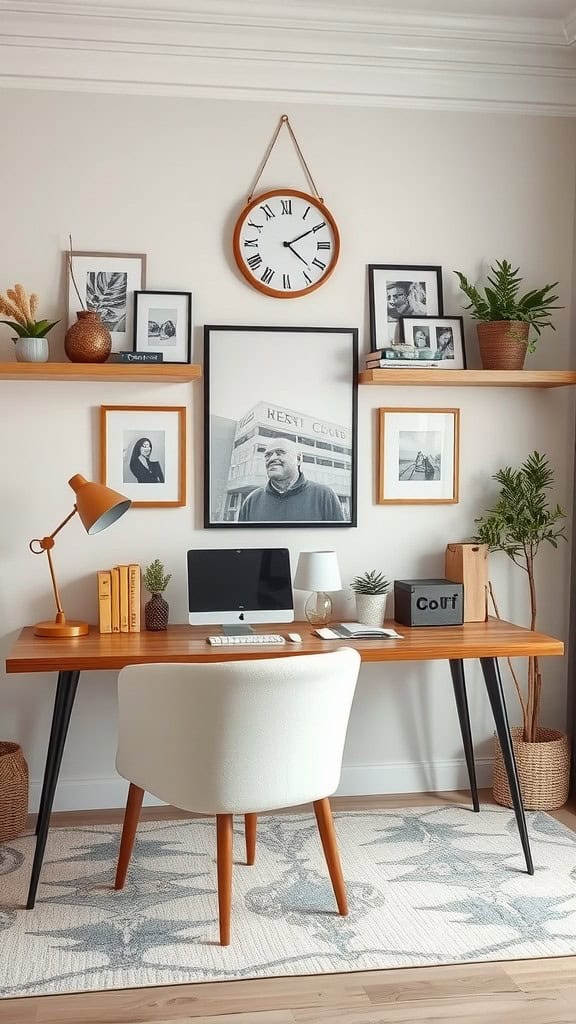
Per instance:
(503,344)
(543,770)
(13,791)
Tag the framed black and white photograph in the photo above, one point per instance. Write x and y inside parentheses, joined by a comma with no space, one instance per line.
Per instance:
(163,325)
(397,291)
(418,456)
(106,284)
(143,453)
(430,340)
(280,426)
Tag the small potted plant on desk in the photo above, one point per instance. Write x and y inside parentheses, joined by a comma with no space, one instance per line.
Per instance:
(505,317)
(156,610)
(521,520)
(30,341)
(371,589)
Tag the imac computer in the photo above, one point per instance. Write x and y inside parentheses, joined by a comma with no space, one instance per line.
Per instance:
(233,587)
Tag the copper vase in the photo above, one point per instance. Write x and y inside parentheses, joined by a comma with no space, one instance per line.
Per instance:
(88,341)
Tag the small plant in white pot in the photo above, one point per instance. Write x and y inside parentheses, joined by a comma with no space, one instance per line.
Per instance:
(371,589)
(30,341)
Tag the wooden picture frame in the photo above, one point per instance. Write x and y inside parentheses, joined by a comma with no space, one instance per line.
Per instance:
(297,385)
(156,476)
(106,282)
(418,456)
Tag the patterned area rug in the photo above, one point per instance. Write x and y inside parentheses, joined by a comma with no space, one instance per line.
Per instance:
(428,885)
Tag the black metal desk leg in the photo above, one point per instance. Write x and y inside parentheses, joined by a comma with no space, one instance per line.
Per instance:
(496,697)
(459,684)
(63,704)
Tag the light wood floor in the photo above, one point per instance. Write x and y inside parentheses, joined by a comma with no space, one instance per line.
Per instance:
(512,992)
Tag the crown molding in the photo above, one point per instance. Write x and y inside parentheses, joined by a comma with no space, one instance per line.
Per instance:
(355,52)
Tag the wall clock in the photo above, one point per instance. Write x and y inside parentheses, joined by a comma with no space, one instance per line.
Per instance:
(286,243)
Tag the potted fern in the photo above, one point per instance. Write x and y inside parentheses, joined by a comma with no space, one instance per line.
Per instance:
(521,521)
(30,341)
(505,317)
(156,610)
(371,589)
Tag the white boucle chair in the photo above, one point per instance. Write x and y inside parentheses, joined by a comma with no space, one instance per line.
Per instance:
(237,737)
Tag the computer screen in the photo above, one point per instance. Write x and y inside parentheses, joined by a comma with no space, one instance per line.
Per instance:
(239,585)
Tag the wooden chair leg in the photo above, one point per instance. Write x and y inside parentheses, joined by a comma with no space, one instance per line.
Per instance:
(131,818)
(250,823)
(224,833)
(323,813)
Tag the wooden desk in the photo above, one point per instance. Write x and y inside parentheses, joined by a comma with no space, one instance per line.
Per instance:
(486,641)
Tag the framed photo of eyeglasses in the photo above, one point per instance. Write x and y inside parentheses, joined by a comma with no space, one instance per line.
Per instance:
(397,291)
(163,325)
(418,456)
(143,453)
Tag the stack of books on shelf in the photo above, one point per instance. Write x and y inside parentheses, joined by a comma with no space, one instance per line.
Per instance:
(400,357)
(119,599)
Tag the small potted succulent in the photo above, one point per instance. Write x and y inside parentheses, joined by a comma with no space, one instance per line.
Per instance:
(31,342)
(156,609)
(505,317)
(371,589)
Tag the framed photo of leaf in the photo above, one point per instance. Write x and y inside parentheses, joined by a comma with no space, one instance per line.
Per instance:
(106,283)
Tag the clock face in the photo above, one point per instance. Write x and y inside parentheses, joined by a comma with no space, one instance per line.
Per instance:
(286,243)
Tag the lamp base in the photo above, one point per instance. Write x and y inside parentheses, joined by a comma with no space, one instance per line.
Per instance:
(61,630)
(318,609)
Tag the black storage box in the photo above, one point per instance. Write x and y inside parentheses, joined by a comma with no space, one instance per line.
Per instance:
(428,602)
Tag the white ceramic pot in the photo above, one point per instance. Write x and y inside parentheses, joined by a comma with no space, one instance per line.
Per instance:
(371,608)
(32,350)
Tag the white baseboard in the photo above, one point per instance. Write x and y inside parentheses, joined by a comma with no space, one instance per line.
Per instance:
(357,780)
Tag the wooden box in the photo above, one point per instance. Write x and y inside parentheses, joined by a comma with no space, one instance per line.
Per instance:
(468,564)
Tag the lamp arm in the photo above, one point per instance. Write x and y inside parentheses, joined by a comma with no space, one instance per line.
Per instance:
(46,544)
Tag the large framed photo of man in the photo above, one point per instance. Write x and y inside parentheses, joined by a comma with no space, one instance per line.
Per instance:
(280,426)
(397,291)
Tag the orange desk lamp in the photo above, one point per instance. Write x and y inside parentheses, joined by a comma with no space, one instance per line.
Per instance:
(98,507)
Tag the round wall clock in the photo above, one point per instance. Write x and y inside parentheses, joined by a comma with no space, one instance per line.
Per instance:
(286,243)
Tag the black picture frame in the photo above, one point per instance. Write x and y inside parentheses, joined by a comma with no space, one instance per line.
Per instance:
(435,325)
(411,279)
(179,304)
(298,384)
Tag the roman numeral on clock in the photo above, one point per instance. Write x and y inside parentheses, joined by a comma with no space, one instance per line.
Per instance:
(306,212)
(318,263)
(307,278)
(323,245)
(267,275)
(254,261)
(258,227)
(286,282)
(287,206)
(252,243)
(267,211)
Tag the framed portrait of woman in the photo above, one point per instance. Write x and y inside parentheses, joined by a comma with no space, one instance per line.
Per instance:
(143,453)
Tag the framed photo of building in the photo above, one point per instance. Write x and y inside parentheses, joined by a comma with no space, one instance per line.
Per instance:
(418,456)
(163,325)
(397,291)
(280,426)
(143,453)
(106,283)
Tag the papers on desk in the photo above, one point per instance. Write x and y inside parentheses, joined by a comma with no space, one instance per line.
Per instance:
(356,631)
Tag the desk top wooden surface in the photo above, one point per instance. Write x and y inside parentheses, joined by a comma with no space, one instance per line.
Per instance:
(181,643)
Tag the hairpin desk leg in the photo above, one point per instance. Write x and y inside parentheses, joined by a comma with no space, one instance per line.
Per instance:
(459,684)
(496,697)
(63,704)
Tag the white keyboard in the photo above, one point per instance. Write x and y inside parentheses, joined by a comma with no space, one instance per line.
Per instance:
(243,641)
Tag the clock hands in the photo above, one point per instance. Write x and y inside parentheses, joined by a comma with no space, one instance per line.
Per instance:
(287,245)
(297,239)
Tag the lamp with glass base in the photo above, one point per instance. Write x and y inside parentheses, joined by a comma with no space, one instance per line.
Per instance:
(98,507)
(318,571)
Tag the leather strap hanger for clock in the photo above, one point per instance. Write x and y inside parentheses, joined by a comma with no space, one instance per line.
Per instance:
(284,120)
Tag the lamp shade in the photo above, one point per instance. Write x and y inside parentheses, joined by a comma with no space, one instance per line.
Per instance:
(97,505)
(317,570)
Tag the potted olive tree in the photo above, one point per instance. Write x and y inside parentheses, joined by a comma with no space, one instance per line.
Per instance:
(505,317)
(519,523)
(371,589)
(30,341)
(156,610)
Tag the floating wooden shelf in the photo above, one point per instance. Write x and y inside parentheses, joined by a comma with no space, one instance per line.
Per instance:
(469,378)
(136,372)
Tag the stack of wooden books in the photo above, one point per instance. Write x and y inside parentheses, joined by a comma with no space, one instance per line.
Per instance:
(119,599)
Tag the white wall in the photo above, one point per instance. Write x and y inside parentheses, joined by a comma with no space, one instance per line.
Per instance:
(167,176)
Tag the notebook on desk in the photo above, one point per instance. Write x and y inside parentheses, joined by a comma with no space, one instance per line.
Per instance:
(358,631)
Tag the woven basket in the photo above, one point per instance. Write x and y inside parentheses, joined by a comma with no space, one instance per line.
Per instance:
(543,770)
(13,791)
(503,344)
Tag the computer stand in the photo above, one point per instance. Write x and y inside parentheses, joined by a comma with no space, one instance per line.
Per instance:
(241,629)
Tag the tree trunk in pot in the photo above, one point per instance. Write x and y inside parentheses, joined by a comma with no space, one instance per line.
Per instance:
(503,344)
(370,608)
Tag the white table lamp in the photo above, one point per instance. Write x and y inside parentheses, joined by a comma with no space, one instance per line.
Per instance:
(318,571)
